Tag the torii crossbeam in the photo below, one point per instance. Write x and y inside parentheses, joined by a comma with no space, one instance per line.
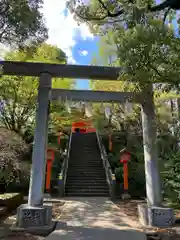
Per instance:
(94,96)
(60,70)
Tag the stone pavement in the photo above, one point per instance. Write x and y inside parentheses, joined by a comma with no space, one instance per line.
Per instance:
(94,219)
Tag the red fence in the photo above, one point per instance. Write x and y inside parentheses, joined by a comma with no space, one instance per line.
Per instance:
(83,126)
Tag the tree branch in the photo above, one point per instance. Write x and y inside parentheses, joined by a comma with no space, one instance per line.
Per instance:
(165,15)
(161,6)
(107,15)
(155,69)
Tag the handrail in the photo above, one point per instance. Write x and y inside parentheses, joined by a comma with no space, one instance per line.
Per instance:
(104,157)
(64,166)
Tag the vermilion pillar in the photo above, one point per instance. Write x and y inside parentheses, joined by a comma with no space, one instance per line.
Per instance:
(50,159)
(125,158)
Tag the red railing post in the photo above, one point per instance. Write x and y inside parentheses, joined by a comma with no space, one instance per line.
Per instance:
(110,142)
(59,138)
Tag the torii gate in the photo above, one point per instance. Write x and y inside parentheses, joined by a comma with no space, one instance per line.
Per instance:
(45,94)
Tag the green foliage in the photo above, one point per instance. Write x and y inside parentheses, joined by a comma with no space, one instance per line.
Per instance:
(114,162)
(137,184)
(119,174)
(19,93)
(19,97)
(105,14)
(137,187)
(167,143)
(148,53)
(123,120)
(145,53)
(61,118)
(168,160)
(146,49)
(21,22)
(171,176)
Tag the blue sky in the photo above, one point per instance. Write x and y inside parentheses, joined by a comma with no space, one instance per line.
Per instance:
(77,41)
(83,53)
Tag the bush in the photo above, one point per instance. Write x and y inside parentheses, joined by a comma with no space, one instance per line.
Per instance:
(119,174)
(28,135)
(137,183)
(21,183)
(53,140)
(12,142)
(13,171)
(114,161)
(171,176)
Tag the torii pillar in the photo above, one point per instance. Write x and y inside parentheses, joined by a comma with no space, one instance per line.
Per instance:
(35,214)
(152,214)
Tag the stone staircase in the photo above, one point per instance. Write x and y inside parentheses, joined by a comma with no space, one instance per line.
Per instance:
(86,173)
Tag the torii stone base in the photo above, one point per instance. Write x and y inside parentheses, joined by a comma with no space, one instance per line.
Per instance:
(37,220)
(150,216)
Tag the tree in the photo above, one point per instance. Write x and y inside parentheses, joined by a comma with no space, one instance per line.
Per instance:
(121,119)
(19,94)
(151,53)
(110,12)
(21,22)
(146,50)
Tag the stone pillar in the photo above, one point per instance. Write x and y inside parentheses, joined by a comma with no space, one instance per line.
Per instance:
(36,189)
(47,194)
(152,213)
(153,186)
(35,215)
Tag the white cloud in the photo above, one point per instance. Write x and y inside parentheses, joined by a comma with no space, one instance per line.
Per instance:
(3,50)
(83,53)
(63,29)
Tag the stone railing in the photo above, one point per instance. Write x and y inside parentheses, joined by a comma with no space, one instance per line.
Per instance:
(110,177)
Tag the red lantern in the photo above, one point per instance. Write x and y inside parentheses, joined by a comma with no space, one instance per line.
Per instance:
(50,154)
(125,156)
